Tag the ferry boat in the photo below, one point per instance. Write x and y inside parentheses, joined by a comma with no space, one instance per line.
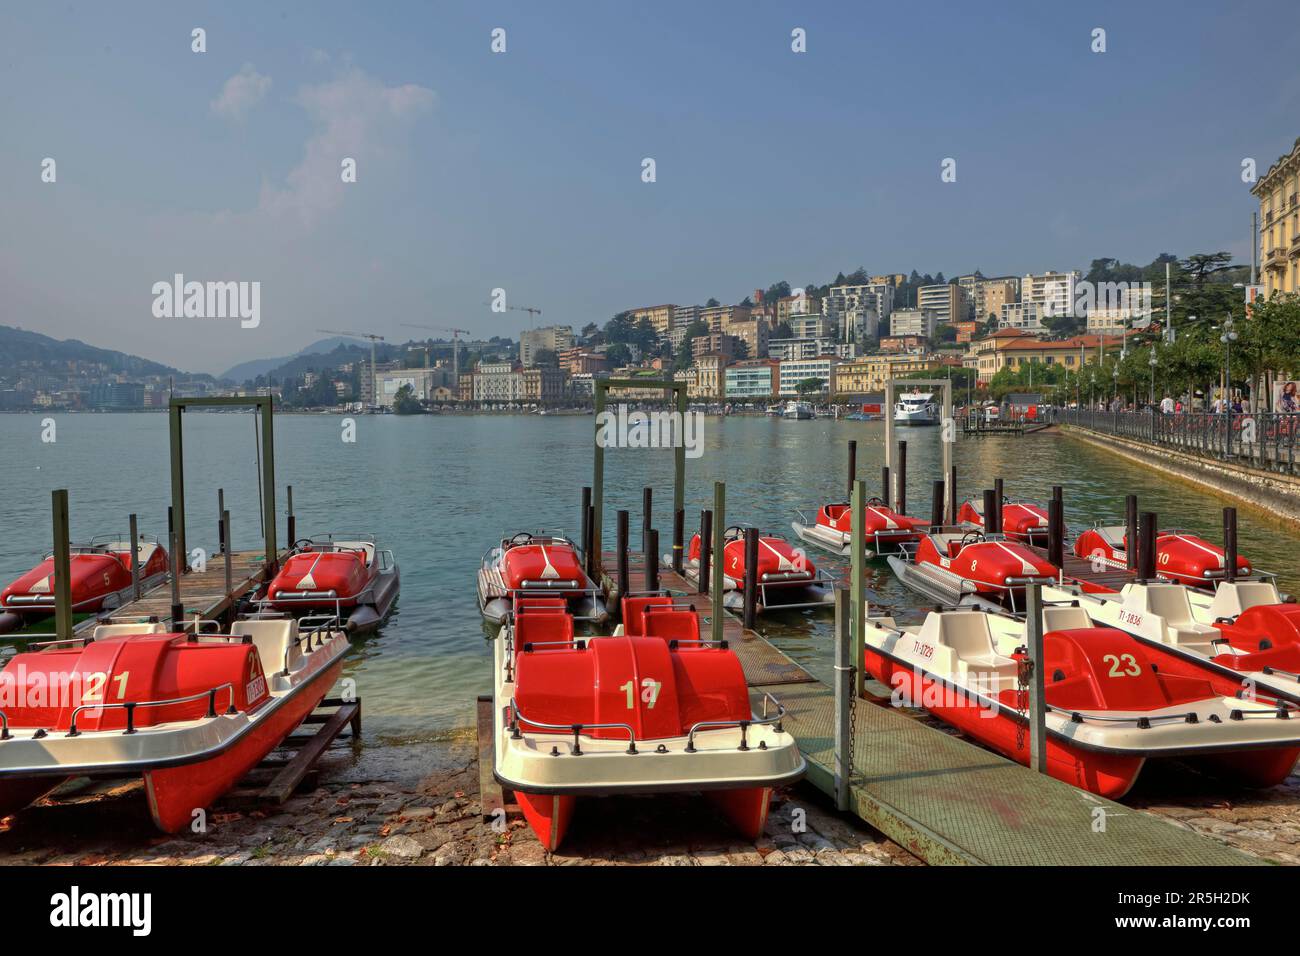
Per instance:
(651,709)
(1021,520)
(971,569)
(1181,557)
(786,578)
(191,713)
(916,408)
(797,410)
(536,566)
(885,529)
(346,574)
(100,579)
(1113,703)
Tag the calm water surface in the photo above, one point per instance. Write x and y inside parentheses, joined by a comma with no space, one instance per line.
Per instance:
(441,490)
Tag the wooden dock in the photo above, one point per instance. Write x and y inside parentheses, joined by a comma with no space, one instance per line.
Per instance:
(946,800)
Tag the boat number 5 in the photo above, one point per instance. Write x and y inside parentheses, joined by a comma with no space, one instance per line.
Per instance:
(649,692)
(1131,668)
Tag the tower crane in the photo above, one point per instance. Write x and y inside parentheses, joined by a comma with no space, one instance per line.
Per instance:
(374,385)
(455,344)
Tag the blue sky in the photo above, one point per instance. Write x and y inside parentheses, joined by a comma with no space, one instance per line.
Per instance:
(522,170)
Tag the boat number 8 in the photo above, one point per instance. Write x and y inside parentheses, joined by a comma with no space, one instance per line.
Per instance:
(649,692)
(1129,662)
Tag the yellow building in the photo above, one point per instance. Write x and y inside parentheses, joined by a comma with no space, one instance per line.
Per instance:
(1279,223)
(869,374)
(660,316)
(1012,348)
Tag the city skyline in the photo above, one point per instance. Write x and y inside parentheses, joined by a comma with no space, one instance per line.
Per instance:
(523,170)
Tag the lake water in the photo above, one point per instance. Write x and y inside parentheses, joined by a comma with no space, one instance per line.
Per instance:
(440,490)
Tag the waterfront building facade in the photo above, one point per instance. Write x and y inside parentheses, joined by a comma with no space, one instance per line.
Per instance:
(751,379)
(1279,223)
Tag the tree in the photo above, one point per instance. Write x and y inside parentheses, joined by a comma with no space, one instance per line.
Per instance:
(1202,265)
(777,290)
(405,402)
(686,354)
(618,354)
(809,385)
(712,304)
(546,358)
(590,329)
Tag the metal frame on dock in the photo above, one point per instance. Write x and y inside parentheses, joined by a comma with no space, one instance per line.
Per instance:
(946,386)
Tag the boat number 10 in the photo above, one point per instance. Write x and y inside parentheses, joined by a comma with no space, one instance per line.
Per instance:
(649,692)
(1122,665)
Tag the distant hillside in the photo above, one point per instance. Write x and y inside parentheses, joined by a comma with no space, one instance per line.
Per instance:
(19,345)
(254,367)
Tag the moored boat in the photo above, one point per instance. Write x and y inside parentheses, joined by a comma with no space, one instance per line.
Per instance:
(653,711)
(971,568)
(786,579)
(1180,556)
(916,408)
(1112,704)
(190,713)
(1021,520)
(537,566)
(347,575)
(885,529)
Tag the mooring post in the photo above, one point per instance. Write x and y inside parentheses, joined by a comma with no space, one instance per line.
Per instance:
(901,498)
(952,495)
(706,550)
(134,531)
(1056,532)
(585,519)
(1229,544)
(221,528)
(843,698)
(62,566)
(1131,531)
(719,532)
(589,545)
(679,534)
(751,577)
(936,506)
(990,511)
(858,586)
(853,467)
(652,560)
(230,570)
(885,490)
(291,523)
(178,609)
(647,499)
(997,500)
(620,545)
(1147,547)
(1037,692)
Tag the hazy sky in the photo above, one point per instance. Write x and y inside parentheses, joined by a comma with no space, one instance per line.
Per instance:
(523,170)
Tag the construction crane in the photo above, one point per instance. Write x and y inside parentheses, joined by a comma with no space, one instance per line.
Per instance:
(521,308)
(455,346)
(374,385)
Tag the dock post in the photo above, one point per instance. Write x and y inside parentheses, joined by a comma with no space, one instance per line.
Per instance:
(620,554)
(843,699)
(291,524)
(936,506)
(679,536)
(952,495)
(998,498)
(221,528)
(651,560)
(706,551)
(647,499)
(751,577)
(1229,544)
(230,571)
(268,484)
(853,467)
(1131,531)
(991,513)
(858,585)
(1056,532)
(62,566)
(900,499)
(589,545)
(585,518)
(1147,547)
(719,529)
(178,609)
(885,495)
(134,531)
(1037,689)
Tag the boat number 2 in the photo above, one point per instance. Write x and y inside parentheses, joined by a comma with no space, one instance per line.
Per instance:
(649,692)
(1129,662)
(95,685)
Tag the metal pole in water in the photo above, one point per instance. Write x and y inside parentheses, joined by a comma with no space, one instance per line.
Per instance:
(620,545)
(997,500)
(588,545)
(230,571)
(135,556)
(843,698)
(291,524)
(679,535)
(178,609)
(1056,532)
(719,528)
(706,550)
(885,496)
(853,466)
(901,497)
(62,566)
(1131,531)
(221,529)
(751,577)
(936,505)
(858,568)
(1229,544)
(585,518)
(647,498)
(952,494)
(1147,547)
(990,511)
(652,560)
(1037,689)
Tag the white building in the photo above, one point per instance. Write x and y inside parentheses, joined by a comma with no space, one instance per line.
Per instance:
(794,371)
(1021,315)
(783,350)
(423,381)
(1053,292)
(809,325)
(554,338)
(498,382)
(913,322)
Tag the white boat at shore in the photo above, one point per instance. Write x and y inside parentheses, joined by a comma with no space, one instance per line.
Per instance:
(916,408)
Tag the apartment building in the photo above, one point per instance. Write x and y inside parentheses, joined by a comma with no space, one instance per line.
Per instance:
(810,326)
(718,317)
(660,316)
(711,380)
(903,343)
(754,333)
(794,371)
(895,279)
(684,315)
(947,301)
(497,382)
(1279,223)
(992,294)
(1012,348)
(784,350)
(1027,316)
(719,343)
(580,361)
(1052,292)
(868,375)
(752,379)
(552,338)
(913,322)
(424,383)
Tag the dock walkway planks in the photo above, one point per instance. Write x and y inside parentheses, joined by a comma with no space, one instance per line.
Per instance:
(947,800)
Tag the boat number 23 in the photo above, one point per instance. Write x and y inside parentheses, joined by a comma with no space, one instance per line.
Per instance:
(1122,665)
(649,692)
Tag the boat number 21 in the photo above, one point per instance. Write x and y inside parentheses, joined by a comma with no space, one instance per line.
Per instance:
(1130,667)
(95,686)
(649,692)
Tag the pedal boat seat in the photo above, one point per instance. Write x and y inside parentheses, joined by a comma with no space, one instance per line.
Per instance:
(1170,603)
(967,635)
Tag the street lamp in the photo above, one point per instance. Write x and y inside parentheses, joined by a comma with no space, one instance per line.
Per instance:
(1227,338)
(1115,375)
(1152,363)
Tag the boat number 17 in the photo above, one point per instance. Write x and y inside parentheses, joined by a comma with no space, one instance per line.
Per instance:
(649,692)
(1122,665)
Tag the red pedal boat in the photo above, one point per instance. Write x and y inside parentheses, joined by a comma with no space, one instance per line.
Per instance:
(536,566)
(1180,556)
(652,710)
(191,713)
(344,575)
(100,580)
(972,569)
(885,529)
(1021,520)
(787,579)
(1112,703)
